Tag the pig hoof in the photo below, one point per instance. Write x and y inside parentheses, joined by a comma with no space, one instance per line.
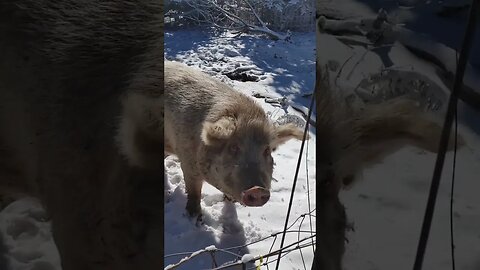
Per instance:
(193,210)
(197,218)
(199,221)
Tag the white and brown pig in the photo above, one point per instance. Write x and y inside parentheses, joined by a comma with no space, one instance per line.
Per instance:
(221,136)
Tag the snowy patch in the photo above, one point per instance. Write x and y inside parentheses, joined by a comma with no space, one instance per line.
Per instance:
(27,237)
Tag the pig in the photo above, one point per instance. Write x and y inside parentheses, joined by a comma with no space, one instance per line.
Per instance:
(221,136)
(81,90)
(352,139)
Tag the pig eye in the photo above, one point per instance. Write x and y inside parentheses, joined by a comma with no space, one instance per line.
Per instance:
(267,151)
(234,149)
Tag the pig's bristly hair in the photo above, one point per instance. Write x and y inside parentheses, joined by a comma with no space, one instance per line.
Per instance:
(282,134)
(244,118)
(259,130)
(219,130)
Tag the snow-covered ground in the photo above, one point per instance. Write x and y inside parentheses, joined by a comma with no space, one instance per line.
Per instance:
(27,238)
(388,204)
(283,69)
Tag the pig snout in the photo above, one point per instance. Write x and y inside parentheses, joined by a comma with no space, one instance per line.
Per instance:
(255,196)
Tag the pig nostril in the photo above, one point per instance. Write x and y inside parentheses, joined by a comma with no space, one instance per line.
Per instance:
(255,196)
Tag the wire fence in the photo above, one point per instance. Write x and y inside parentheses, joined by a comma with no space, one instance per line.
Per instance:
(245,260)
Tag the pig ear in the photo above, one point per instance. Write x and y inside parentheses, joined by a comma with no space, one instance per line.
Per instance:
(284,133)
(214,132)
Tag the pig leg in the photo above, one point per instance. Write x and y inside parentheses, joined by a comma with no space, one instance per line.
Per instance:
(194,189)
(193,186)
(331,226)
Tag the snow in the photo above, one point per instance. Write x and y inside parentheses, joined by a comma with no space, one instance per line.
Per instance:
(283,69)
(27,237)
(211,248)
(247,257)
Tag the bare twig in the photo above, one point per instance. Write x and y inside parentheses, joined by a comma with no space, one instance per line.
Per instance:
(209,11)
(182,261)
(295,245)
(212,249)
(214,261)
(255,13)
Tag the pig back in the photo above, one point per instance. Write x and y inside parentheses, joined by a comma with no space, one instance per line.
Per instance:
(191,98)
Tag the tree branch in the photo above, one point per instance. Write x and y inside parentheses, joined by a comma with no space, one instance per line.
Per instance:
(255,13)
(222,18)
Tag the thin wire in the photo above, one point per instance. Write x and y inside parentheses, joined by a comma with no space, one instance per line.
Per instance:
(284,254)
(287,248)
(452,243)
(298,218)
(308,195)
(269,251)
(227,250)
(298,239)
(451,109)
(307,125)
(265,238)
(452,188)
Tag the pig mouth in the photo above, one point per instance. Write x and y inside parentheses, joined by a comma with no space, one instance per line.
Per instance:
(234,199)
(229,197)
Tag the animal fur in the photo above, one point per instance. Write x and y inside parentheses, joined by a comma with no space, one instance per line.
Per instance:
(74,76)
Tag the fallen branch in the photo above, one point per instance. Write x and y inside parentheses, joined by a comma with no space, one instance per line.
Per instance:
(284,103)
(210,12)
(194,254)
(445,59)
(248,73)
(442,56)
